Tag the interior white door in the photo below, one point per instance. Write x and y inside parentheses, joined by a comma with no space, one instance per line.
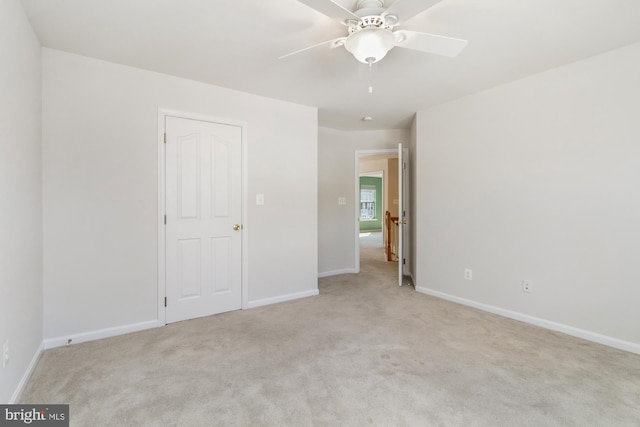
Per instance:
(203,218)
(406,213)
(400,215)
(403,209)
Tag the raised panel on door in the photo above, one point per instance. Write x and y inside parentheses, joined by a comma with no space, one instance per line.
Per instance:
(221,178)
(203,203)
(221,255)
(188,176)
(189,269)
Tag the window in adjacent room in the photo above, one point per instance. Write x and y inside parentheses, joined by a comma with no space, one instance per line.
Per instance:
(367,202)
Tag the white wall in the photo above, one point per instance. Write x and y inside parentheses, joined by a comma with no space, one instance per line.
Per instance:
(100,154)
(20,196)
(373,165)
(540,180)
(336,178)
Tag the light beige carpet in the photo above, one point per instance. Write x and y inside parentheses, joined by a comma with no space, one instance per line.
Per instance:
(363,352)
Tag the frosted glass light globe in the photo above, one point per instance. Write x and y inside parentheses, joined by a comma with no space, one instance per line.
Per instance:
(370,45)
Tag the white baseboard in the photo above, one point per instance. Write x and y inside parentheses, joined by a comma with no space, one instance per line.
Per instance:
(27,374)
(282,298)
(559,327)
(99,334)
(337,272)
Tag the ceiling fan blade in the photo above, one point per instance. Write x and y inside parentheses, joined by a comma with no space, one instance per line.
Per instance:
(332,43)
(430,43)
(332,10)
(407,9)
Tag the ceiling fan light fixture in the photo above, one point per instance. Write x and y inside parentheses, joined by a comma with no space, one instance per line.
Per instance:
(370,44)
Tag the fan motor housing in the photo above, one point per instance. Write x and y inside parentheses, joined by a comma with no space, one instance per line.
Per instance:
(368,21)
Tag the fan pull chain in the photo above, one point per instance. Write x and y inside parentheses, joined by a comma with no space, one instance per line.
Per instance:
(370,74)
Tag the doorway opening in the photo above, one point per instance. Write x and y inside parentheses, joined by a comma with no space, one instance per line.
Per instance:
(377,192)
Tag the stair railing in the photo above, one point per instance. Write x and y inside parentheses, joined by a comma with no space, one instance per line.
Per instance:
(391,228)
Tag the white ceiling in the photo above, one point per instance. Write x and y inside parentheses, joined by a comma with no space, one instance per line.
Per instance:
(236,44)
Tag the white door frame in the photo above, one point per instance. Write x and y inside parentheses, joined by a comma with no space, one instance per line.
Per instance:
(405,177)
(403,207)
(162,114)
(357,198)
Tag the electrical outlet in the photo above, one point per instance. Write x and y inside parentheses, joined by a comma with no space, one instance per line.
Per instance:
(5,353)
(526,286)
(468,274)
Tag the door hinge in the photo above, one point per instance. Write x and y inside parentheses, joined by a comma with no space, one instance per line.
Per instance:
(404,165)
(165,137)
(404,261)
(165,220)
(165,301)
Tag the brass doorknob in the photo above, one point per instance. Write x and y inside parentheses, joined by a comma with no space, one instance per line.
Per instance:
(237,227)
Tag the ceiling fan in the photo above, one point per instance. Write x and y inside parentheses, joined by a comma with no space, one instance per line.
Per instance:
(372,33)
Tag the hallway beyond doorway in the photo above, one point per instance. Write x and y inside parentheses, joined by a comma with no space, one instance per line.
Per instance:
(372,255)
